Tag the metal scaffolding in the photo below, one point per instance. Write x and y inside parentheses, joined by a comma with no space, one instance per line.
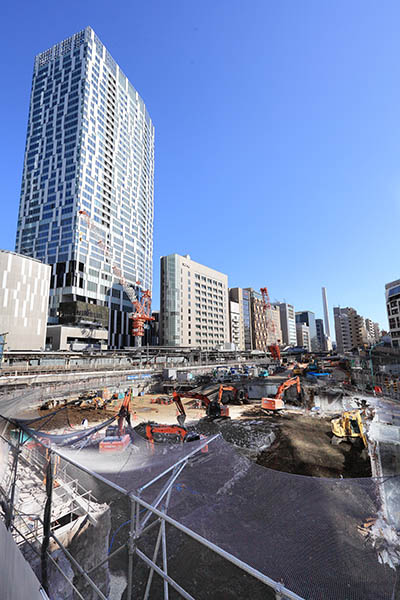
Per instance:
(156,514)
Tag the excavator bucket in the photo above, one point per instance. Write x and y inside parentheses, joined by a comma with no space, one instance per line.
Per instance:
(181,419)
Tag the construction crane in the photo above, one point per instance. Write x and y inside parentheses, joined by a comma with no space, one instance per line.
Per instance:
(142,306)
(274,347)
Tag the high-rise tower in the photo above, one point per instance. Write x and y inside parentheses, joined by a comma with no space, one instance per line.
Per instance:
(326,312)
(328,342)
(90,146)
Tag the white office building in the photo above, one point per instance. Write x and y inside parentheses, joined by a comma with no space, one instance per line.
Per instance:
(194,307)
(89,146)
(288,323)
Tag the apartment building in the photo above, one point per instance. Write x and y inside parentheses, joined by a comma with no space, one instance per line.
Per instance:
(254,328)
(392,293)
(194,308)
(236,325)
(350,329)
(373,331)
(89,146)
(259,322)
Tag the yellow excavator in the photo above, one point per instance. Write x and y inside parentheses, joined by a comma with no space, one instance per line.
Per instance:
(348,428)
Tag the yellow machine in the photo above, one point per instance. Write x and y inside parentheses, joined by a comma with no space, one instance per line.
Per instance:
(348,428)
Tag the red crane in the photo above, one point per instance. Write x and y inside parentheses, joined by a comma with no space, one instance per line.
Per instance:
(142,306)
(274,347)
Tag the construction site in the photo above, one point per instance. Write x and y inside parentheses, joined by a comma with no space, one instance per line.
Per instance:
(158,472)
(275,479)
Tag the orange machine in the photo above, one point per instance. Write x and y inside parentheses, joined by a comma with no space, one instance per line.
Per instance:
(213,408)
(174,433)
(165,433)
(117,438)
(238,396)
(277,402)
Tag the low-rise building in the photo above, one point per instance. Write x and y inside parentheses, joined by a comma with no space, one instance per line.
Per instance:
(24,301)
(82,326)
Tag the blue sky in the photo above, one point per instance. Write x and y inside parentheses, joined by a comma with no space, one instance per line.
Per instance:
(277,134)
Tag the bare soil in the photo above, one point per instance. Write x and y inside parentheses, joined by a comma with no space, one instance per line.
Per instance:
(302,440)
(303,446)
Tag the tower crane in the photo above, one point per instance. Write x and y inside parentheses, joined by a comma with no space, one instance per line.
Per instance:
(142,306)
(274,347)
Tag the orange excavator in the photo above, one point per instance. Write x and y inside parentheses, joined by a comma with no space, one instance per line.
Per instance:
(237,397)
(155,432)
(214,408)
(117,438)
(277,402)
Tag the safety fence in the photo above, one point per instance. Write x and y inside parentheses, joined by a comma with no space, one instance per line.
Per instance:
(34,476)
(198,520)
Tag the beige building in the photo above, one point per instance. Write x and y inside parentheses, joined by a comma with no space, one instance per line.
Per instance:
(259,322)
(24,301)
(350,329)
(263,330)
(276,319)
(254,329)
(194,304)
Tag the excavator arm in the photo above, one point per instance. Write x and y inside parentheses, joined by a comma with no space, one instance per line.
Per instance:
(287,384)
(277,402)
(181,418)
(213,407)
(124,412)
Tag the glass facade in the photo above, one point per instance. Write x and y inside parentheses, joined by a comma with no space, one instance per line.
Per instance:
(248,344)
(171,300)
(308,318)
(90,146)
